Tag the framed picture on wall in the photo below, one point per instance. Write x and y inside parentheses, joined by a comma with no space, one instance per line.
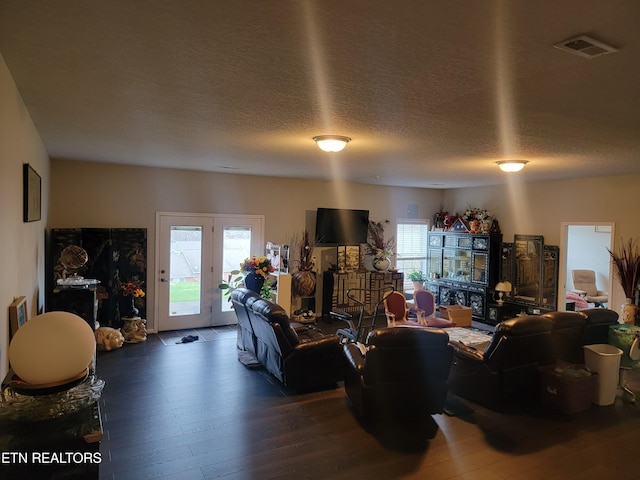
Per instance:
(32,193)
(18,314)
(352,257)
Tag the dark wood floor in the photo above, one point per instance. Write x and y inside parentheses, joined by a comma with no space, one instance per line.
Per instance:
(193,411)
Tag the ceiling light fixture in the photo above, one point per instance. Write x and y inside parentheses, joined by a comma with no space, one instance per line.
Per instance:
(331,143)
(511,165)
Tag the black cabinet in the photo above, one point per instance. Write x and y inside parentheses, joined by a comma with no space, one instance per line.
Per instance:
(532,268)
(463,269)
(81,300)
(116,256)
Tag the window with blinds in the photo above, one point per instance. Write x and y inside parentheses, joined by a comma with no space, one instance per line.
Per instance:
(411,247)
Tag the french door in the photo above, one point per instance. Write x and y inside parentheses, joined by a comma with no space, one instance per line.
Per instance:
(194,253)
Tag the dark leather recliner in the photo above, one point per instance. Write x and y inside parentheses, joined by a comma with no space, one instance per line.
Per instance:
(566,335)
(572,330)
(508,365)
(303,359)
(246,337)
(402,375)
(597,323)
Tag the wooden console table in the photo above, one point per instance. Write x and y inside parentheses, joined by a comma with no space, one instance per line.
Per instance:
(336,285)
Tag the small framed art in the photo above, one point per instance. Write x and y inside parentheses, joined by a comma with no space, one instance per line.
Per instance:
(18,314)
(32,194)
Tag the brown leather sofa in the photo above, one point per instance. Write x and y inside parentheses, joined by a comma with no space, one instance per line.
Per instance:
(507,369)
(402,374)
(300,356)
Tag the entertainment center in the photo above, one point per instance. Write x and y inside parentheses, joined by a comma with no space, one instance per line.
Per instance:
(463,268)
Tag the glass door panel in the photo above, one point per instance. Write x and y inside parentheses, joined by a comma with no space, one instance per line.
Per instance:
(236,246)
(435,263)
(236,238)
(448,263)
(480,268)
(185,265)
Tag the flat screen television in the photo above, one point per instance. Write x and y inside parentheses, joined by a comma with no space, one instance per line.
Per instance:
(339,226)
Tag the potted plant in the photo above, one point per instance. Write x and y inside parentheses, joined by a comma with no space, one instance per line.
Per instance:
(235,279)
(418,278)
(626,268)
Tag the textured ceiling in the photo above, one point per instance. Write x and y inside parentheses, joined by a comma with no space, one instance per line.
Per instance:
(431,92)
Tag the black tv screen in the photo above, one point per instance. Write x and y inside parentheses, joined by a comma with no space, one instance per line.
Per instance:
(338,226)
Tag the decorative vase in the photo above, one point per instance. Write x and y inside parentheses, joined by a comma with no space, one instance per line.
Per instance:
(134,330)
(417,286)
(381,264)
(629,312)
(303,283)
(133,311)
(254,282)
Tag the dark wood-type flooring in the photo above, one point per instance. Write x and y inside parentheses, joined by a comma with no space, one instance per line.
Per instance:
(193,411)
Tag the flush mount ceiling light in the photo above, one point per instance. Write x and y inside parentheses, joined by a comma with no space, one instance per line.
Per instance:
(511,165)
(331,143)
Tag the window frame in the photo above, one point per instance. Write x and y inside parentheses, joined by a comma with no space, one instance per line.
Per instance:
(421,258)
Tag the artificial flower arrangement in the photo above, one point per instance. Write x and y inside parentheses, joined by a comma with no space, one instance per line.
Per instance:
(473,213)
(132,289)
(259,265)
(305,246)
(377,245)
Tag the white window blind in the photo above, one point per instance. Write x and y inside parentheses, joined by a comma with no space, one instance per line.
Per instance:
(411,246)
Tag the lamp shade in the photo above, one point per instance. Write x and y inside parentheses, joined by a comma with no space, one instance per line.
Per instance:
(331,143)
(503,287)
(52,347)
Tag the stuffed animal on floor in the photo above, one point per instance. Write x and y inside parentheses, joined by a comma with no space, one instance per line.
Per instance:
(108,338)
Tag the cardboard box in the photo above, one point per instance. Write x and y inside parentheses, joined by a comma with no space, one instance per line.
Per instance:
(566,394)
(456,313)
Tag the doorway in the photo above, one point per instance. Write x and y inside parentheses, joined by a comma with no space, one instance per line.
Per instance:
(194,253)
(584,246)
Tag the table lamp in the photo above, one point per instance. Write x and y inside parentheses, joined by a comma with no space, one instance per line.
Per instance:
(502,288)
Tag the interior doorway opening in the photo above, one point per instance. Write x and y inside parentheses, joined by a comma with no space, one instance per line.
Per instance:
(584,247)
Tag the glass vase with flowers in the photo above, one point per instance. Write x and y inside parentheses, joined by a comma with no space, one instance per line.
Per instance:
(134,290)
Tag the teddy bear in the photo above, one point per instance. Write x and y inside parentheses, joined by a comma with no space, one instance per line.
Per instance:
(108,338)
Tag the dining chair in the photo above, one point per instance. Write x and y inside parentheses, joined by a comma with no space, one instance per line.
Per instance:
(425,301)
(395,308)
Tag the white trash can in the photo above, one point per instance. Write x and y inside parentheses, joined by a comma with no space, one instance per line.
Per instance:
(604,359)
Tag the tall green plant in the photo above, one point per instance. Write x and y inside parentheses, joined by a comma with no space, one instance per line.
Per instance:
(626,263)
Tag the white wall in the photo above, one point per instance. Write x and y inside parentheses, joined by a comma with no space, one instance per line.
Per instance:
(22,245)
(86,194)
(587,250)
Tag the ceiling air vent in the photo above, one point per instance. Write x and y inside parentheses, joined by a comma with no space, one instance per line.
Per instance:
(585,47)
